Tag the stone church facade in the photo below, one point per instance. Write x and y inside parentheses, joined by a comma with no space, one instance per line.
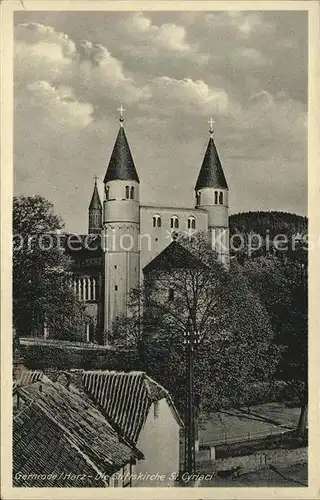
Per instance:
(125,236)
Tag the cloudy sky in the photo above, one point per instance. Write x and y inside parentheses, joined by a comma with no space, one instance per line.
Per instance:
(171,71)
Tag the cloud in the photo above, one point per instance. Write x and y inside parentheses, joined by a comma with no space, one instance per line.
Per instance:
(36,33)
(250,55)
(192,97)
(168,36)
(273,126)
(244,23)
(57,106)
(41,53)
(262,94)
(48,122)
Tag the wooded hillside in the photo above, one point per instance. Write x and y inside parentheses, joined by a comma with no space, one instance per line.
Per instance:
(274,222)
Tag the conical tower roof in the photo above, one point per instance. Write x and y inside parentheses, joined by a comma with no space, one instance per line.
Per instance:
(211,172)
(95,203)
(121,165)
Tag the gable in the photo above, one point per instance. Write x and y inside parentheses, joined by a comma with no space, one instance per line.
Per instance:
(122,397)
(174,256)
(125,399)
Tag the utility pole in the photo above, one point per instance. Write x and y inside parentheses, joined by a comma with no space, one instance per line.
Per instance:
(191,340)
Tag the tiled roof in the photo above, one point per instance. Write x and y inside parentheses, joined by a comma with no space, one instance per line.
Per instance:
(211,172)
(125,398)
(82,425)
(121,165)
(27,377)
(41,447)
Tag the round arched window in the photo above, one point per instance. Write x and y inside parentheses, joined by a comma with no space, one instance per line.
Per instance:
(174,222)
(191,223)
(156,221)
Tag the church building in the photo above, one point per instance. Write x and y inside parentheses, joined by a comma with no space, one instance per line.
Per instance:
(125,236)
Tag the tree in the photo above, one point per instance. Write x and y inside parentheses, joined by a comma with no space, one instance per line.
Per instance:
(282,286)
(187,287)
(41,285)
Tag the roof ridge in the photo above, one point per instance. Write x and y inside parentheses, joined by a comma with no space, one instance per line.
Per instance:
(117,372)
(168,398)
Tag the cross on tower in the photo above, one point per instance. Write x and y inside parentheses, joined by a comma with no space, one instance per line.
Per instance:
(95,178)
(211,122)
(121,110)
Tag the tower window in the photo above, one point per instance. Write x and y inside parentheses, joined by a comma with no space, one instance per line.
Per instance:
(221,198)
(216,197)
(174,222)
(132,193)
(156,221)
(191,223)
(127,192)
(198,198)
(106,190)
(171,295)
(116,287)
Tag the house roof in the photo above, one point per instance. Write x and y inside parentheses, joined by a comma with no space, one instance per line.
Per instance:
(174,256)
(73,416)
(121,165)
(41,446)
(125,398)
(211,173)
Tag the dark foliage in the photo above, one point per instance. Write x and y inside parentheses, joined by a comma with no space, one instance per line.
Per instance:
(268,222)
(41,283)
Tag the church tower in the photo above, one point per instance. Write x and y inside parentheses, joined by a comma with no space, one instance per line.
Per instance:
(121,225)
(212,195)
(95,211)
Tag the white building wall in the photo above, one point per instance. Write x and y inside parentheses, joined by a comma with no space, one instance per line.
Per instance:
(218,214)
(122,269)
(153,240)
(159,442)
(117,208)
